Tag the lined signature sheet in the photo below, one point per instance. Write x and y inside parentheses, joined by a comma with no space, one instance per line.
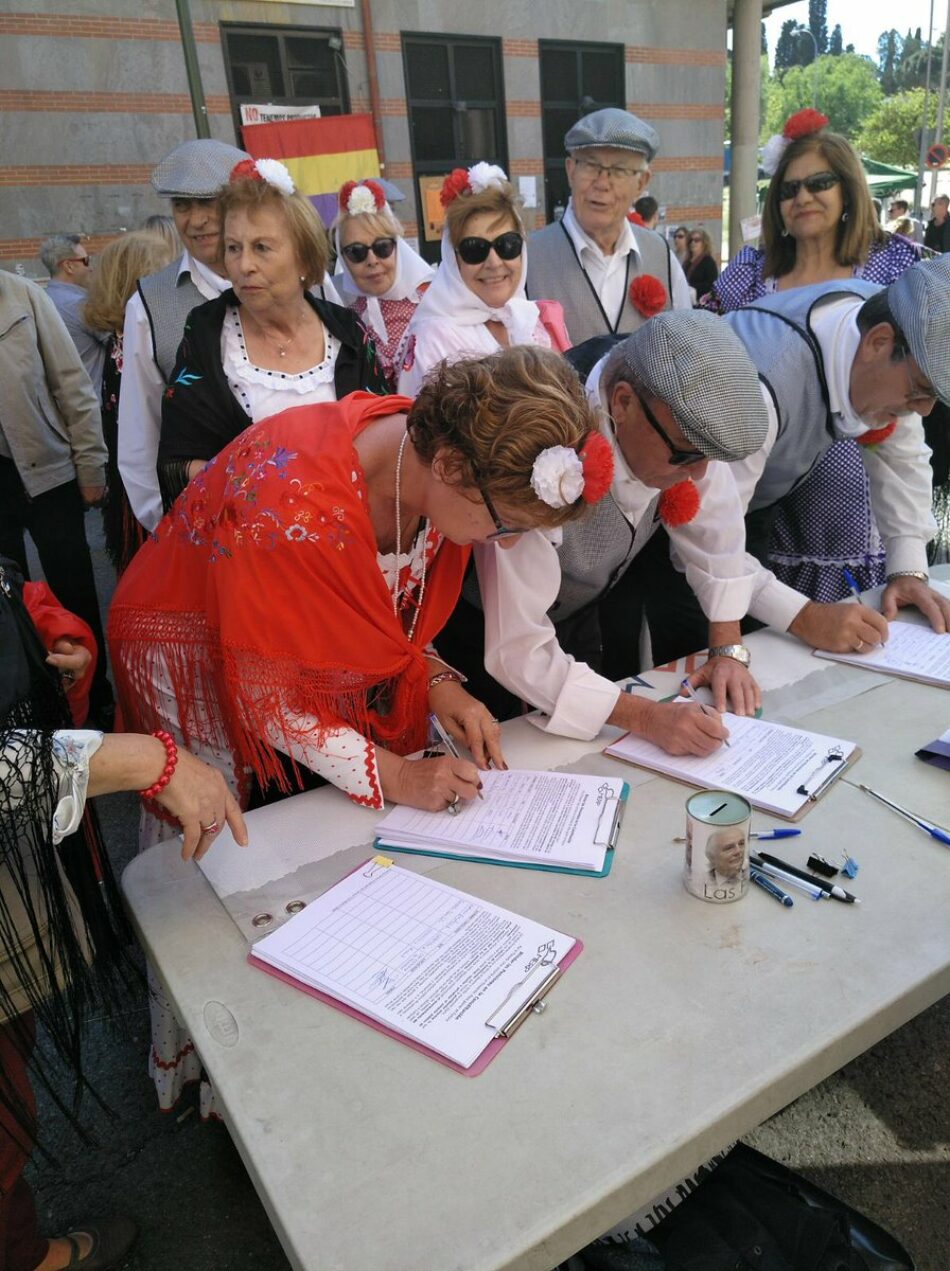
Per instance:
(912,651)
(422,958)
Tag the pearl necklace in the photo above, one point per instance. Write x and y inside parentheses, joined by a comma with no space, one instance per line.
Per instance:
(396,593)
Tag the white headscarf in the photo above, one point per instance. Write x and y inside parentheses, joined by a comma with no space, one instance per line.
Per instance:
(449,300)
(411,272)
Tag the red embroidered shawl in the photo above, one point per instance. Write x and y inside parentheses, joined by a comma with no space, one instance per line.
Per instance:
(262,593)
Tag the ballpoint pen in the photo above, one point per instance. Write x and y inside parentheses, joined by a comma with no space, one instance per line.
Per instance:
(762,836)
(935,831)
(691,694)
(830,889)
(448,743)
(789,880)
(852,583)
(766,883)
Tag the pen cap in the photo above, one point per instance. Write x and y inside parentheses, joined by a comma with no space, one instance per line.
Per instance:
(716,868)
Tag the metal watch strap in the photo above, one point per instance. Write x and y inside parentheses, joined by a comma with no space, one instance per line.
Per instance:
(909,573)
(738,652)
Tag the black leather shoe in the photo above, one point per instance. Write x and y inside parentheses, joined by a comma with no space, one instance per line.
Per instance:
(111,1239)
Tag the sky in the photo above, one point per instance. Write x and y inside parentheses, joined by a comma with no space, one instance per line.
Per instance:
(862,23)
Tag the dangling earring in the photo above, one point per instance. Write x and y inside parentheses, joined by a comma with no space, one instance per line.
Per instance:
(784,233)
(844,215)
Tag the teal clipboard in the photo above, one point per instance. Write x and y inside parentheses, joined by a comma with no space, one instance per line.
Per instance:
(547,869)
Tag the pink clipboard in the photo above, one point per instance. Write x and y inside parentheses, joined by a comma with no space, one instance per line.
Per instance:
(474,1070)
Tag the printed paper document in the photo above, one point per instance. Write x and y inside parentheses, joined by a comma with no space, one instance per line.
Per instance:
(912,651)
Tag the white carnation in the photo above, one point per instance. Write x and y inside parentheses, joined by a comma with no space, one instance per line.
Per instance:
(772,153)
(557,477)
(275,174)
(485,176)
(361,200)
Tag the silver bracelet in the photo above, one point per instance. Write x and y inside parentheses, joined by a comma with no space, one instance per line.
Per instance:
(909,573)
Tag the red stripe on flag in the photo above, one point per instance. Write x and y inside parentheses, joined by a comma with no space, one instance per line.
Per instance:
(300,138)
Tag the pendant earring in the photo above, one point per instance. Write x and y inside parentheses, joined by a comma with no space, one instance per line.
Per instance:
(844,216)
(785,233)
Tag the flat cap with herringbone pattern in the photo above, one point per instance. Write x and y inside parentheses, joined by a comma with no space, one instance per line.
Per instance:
(920,303)
(196,169)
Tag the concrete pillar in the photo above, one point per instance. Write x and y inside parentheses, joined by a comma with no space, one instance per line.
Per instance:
(746,85)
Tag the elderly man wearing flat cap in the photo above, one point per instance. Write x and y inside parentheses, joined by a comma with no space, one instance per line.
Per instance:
(588,260)
(848,359)
(680,396)
(191,176)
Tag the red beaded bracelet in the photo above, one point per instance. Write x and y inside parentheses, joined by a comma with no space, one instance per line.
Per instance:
(171,759)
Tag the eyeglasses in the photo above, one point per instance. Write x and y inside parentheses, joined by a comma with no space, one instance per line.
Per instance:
(678,458)
(356,253)
(679,234)
(474,251)
(695,240)
(589,170)
(917,392)
(501,529)
(815,184)
(78,260)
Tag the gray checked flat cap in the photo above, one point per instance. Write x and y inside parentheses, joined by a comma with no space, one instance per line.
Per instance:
(196,169)
(920,303)
(613,127)
(695,363)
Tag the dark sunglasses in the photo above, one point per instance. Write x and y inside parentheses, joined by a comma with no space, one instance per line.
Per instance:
(501,530)
(815,184)
(382,249)
(678,458)
(474,251)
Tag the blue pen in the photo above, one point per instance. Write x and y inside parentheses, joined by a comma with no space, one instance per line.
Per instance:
(852,584)
(935,831)
(782,876)
(772,888)
(776,834)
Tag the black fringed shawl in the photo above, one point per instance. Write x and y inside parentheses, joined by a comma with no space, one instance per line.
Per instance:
(44,941)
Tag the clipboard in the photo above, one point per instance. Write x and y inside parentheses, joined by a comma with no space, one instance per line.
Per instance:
(612,837)
(513,1011)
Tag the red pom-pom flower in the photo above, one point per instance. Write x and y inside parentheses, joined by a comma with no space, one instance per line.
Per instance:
(874,436)
(679,504)
(803,123)
(455,183)
(346,189)
(647,295)
(597,457)
(636,219)
(246,170)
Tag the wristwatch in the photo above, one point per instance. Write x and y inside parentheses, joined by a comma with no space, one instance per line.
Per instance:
(738,652)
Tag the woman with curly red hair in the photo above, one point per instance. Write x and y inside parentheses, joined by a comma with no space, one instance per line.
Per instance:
(477,302)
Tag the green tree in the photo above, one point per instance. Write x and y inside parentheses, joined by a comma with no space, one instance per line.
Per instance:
(891,132)
(889,49)
(818,24)
(836,43)
(845,88)
(788,51)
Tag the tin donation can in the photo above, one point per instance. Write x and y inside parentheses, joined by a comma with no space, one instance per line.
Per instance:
(717,846)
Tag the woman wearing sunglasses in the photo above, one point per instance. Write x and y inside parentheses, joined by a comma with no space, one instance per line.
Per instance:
(267,343)
(477,302)
(818,224)
(702,270)
(378,274)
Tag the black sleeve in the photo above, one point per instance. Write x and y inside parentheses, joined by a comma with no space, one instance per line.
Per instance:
(357,364)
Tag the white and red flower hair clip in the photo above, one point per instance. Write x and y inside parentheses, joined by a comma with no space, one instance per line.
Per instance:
(270,171)
(802,124)
(474,180)
(360,197)
(561,475)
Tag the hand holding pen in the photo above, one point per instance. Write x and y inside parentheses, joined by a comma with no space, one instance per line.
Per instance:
(688,691)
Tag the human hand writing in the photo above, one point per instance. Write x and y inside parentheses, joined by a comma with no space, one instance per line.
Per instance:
(843,627)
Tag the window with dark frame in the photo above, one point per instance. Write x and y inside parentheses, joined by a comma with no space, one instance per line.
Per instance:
(455,98)
(285,66)
(575,80)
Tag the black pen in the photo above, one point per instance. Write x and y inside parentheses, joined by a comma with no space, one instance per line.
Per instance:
(832,889)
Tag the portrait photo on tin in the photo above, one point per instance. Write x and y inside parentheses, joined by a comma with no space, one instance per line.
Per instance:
(717,861)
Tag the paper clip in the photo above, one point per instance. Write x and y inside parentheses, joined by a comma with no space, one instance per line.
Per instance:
(507,1026)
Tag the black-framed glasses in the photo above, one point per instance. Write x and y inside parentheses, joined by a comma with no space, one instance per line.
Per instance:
(356,253)
(474,251)
(78,260)
(678,458)
(501,529)
(817,183)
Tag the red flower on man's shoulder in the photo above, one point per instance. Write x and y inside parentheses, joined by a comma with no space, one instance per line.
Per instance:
(647,295)
(679,504)
(455,183)
(874,436)
(803,123)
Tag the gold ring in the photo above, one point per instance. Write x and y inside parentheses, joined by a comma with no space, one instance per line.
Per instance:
(210,829)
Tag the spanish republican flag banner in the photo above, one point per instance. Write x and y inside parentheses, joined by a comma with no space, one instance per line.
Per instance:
(320,153)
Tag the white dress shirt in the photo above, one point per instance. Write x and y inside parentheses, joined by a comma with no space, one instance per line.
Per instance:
(140,399)
(608,274)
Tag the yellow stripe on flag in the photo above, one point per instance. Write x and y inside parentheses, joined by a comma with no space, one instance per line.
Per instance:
(325,173)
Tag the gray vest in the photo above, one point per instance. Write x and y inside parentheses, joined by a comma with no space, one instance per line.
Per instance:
(555,273)
(595,553)
(776,331)
(168,300)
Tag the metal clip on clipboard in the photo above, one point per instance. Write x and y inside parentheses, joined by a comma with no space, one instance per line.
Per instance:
(614,834)
(535,985)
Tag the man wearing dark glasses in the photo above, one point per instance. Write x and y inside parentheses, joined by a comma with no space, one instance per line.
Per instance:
(70,271)
(589,258)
